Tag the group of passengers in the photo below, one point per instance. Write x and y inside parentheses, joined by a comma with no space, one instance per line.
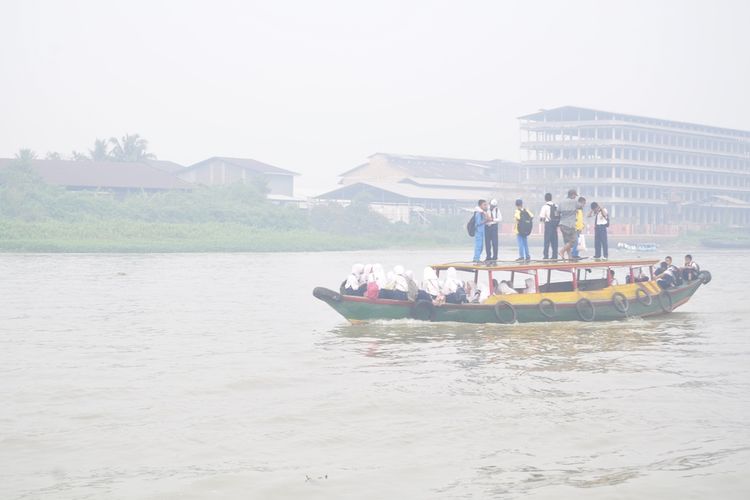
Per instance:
(372,282)
(669,275)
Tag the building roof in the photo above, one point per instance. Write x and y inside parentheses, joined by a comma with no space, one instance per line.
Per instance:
(244,163)
(434,167)
(102,174)
(165,165)
(572,113)
(404,191)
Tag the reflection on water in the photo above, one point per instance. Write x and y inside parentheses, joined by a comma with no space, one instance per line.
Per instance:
(186,376)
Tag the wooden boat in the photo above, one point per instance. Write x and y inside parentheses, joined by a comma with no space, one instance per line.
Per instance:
(566,291)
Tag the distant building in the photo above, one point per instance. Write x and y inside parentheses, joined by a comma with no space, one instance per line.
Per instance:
(407,188)
(119,178)
(165,165)
(651,173)
(220,170)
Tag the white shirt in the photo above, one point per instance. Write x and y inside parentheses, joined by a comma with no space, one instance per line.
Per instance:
(600,218)
(544,212)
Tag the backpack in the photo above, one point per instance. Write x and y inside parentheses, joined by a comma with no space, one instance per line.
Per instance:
(554,214)
(471,226)
(525,223)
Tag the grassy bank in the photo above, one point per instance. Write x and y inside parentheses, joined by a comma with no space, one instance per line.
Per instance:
(139,236)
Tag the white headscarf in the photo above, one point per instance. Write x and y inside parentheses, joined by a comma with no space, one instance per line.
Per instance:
(530,286)
(451,283)
(506,289)
(355,278)
(366,273)
(399,280)
(430,283)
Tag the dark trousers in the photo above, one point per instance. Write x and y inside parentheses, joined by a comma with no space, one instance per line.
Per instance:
(601,247)
(491,242)
(550,240)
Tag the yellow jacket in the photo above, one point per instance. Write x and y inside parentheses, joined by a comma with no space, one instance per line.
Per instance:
(518,218)
(579,220)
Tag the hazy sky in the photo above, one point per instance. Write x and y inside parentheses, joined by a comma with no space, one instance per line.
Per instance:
(318,86)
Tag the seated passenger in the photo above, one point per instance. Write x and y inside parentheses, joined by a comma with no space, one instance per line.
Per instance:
(691,269)
(353,284)
(430,285)
(530,286)
(495,287)
(666,278)
(386,291)
(413,288)
(372,287)
(380,279)
(612,279)
(452,288)
(663,266)
(506,288)
(400,284)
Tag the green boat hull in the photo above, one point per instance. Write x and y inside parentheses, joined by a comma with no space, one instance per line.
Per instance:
(585,308)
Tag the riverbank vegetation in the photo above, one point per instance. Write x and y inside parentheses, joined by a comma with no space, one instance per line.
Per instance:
(38,217)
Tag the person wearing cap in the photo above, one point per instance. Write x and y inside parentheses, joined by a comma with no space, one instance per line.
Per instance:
(522,228)
(568,209)
(491,232)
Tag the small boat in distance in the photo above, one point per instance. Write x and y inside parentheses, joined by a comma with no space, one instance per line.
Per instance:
(638,247)
(562,291)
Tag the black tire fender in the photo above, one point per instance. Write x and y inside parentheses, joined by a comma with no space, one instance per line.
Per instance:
(326,294)
(548,308)
(620,302)
(581,307)
(705,277)
(665,301)
(500,309)
(643,297)
(423,310)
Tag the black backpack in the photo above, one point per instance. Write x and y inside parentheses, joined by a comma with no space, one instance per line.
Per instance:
(525,223)
(471,226)
(554,214)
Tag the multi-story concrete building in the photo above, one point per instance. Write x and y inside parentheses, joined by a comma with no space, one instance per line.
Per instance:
(652,174)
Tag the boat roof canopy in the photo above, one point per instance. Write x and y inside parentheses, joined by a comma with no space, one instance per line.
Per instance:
(534,265)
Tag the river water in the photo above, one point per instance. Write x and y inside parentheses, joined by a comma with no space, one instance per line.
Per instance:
(220,376)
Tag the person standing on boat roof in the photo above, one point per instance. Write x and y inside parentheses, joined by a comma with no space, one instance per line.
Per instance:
(491,237)
(480,221)
(568,208)
(601,223)
(579,229)
(549,215)
(522,227)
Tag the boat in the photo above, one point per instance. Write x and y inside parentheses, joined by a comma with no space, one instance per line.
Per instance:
(638,247)
(566,290)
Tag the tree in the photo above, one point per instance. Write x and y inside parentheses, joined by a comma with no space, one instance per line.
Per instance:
(76,156)
(100,151)
(53,155)
(25,155)
(130,148)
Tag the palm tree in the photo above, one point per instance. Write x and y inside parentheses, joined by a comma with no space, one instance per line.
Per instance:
(99,153)
(131,148)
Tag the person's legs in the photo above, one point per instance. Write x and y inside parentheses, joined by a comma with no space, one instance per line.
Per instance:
(553,241)
(527,256)
(597,242)
(605,243)
(574,248)
(487,243)
(547,240)
(519,241)
(478,244)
